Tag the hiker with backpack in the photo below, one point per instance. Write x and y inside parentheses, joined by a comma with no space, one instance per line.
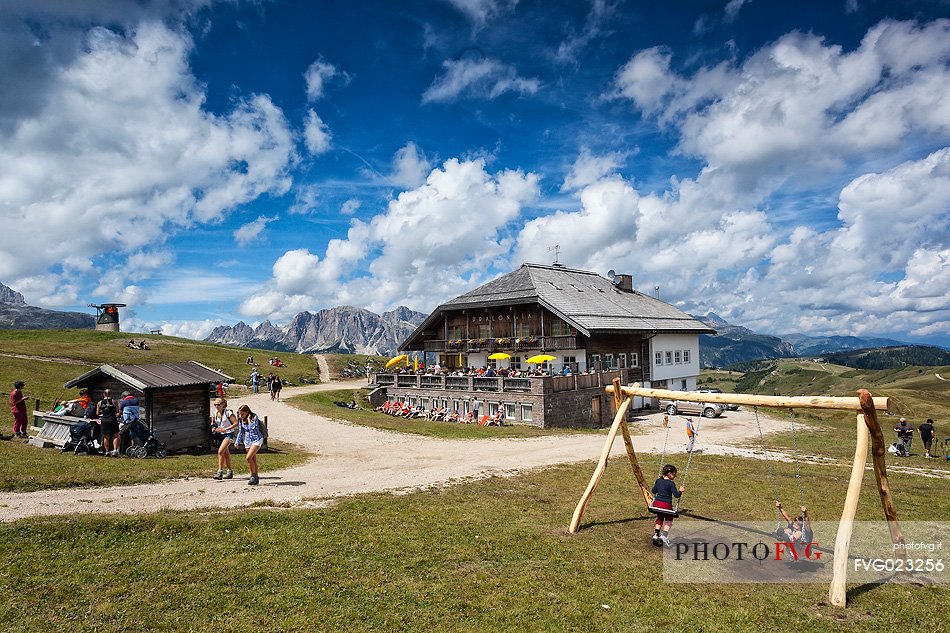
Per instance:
(108,412)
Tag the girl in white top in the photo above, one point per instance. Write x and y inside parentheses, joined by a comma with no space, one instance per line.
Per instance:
(224,422)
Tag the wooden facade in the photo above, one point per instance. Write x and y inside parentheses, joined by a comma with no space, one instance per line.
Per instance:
(174,397)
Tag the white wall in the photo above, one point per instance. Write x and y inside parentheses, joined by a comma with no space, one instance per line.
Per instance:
(670,370)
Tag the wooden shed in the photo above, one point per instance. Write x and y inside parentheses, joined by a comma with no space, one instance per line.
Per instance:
(174,397)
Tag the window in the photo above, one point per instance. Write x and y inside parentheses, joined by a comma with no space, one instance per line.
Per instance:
(595,361)
(685,355)
(608,361)
(492,408)
(483,330)
(515,362)
(621,361)
(659,358)
(677,357)
(668,358)
(683,384)
(509,411)
(523,329)
(570,361)
(425,403)
(526,413)
(492,363)
(560,328)
(456,332)
(634,359)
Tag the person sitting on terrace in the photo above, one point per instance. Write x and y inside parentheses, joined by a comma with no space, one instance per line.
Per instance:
(489,373)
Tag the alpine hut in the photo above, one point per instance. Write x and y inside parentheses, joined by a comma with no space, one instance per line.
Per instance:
(174,397)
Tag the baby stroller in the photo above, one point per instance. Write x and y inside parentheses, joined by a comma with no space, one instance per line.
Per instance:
(82,439)
(143,441)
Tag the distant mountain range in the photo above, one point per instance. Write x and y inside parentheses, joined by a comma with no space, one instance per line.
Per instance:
(736,344)
(16,315)
(341,330)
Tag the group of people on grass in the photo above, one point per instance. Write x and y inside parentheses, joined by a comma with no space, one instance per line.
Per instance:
(401,409)
(905,436)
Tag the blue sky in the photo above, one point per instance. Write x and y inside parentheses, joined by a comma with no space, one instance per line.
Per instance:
(785,165)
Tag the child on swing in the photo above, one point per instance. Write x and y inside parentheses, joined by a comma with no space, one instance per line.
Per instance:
(797,529)
(663,492)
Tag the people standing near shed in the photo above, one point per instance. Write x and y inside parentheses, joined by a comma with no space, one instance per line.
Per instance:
(107,410)
(251,436)
(224,423)
(18,408)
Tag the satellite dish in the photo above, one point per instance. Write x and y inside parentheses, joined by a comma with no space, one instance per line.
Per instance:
(611,273)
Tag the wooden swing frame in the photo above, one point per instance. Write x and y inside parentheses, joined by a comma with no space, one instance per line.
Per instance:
(867,426)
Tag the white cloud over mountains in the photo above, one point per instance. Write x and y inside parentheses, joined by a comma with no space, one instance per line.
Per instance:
(432,241)
(121,154)
(798,114)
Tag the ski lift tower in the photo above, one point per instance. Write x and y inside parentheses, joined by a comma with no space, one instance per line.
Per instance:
(107,316)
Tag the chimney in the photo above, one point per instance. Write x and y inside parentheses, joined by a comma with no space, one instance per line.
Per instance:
(624,282)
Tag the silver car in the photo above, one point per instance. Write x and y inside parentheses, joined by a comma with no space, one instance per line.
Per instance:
(729,407)
(706,409)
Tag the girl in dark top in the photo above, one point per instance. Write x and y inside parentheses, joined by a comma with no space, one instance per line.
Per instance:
(663,492)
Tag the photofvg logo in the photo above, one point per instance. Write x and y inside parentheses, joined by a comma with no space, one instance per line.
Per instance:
(763,552)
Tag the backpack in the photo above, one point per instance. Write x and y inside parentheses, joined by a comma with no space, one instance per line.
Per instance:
(107,407)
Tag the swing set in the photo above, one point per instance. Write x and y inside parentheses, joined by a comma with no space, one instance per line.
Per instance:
(867,426)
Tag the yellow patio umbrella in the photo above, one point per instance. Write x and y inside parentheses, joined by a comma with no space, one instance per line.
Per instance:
(499,356)
(541,358)
(397,360)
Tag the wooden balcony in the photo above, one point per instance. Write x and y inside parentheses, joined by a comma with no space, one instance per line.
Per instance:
(515,344)
(537,385)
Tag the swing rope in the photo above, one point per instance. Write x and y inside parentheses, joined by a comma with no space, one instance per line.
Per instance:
(768,464)
(689,460)
(798,462)
(663,451)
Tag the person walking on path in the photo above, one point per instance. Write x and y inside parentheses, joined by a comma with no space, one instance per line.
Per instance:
(224,423)
(18,408)
(270,385)
(691,434)
(255,380)
(276,386)
(905,435)
(252,438)
(927,433)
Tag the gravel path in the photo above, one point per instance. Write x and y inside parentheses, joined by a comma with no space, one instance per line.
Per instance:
(353,459)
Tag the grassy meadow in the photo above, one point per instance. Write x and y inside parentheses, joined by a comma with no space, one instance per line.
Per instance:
(57,356)
(914,392)
(70,353)
(486,555)
(491,555)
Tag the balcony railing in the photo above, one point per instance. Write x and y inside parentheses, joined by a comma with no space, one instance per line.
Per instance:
(535,384)
(505,344)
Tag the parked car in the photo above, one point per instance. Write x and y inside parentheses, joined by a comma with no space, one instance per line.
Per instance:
(705,409)
(729,407)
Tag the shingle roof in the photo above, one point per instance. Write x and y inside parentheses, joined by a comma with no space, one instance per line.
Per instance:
(584,299)
(154,376)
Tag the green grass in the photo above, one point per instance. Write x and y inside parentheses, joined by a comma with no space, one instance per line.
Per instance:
(321,403)
(492,555)
(44,379)
(28,468)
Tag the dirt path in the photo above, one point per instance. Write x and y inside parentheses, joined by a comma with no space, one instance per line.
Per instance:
(324,368)
(354,459)
(48,359)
